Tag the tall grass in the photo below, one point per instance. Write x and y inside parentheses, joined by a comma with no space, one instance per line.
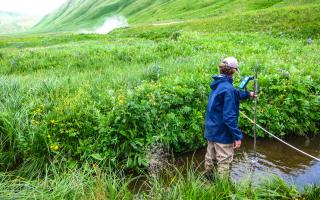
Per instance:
(312,192)
(87,182)
(91,182)
(76,99)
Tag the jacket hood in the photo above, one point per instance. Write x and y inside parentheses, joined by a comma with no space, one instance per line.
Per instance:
(219,79)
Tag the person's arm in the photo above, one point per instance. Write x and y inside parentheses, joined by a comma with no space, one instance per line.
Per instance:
(244,95)
(230,116)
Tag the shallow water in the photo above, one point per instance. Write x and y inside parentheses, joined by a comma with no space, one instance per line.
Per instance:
(273,157)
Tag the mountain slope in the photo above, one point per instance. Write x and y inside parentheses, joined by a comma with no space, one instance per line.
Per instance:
(292,22)
(75,15)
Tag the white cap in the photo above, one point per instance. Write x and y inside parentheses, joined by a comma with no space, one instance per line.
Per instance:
(231,62)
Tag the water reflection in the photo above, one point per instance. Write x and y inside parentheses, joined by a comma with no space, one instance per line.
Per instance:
(276,158)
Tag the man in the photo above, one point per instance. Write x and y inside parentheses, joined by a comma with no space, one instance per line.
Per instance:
(222,131)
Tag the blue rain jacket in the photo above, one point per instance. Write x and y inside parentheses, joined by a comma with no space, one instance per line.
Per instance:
(223,111)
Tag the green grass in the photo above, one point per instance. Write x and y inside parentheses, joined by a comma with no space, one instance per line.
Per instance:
(112,97)
(72,99)
(85,183)
(91,182)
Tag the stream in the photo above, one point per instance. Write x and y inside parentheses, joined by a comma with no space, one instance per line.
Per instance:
(273,157)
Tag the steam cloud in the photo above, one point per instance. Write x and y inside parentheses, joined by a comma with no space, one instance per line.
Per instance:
(110,24)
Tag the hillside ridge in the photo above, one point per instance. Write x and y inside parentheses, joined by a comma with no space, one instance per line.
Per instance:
(75,15)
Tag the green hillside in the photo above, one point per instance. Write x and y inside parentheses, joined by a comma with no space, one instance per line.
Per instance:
(79,14)
(277,22)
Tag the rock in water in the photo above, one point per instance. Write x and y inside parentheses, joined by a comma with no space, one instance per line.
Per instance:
(159,159)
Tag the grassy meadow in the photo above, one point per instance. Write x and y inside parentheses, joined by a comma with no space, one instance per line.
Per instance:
(70,100)
(111,98)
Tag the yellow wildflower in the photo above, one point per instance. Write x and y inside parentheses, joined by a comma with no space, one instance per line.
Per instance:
(34,122)
(53,122)
(54,147)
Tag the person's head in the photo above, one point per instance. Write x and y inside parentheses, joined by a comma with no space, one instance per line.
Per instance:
(229,66)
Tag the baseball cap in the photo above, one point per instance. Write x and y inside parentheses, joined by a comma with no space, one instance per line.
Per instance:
(231,62)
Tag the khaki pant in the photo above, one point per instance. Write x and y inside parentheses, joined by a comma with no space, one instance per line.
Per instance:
(220,155)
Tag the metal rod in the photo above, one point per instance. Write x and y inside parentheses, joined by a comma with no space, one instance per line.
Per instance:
(255,114)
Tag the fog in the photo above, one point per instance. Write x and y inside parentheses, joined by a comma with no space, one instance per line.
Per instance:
(109,25)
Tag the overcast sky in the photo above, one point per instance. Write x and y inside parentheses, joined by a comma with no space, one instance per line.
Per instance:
(30,7)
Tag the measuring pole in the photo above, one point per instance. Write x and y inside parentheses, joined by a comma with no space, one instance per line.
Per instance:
(255,114)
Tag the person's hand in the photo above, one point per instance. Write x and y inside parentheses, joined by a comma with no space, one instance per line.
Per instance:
(237,144)
(253,95)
